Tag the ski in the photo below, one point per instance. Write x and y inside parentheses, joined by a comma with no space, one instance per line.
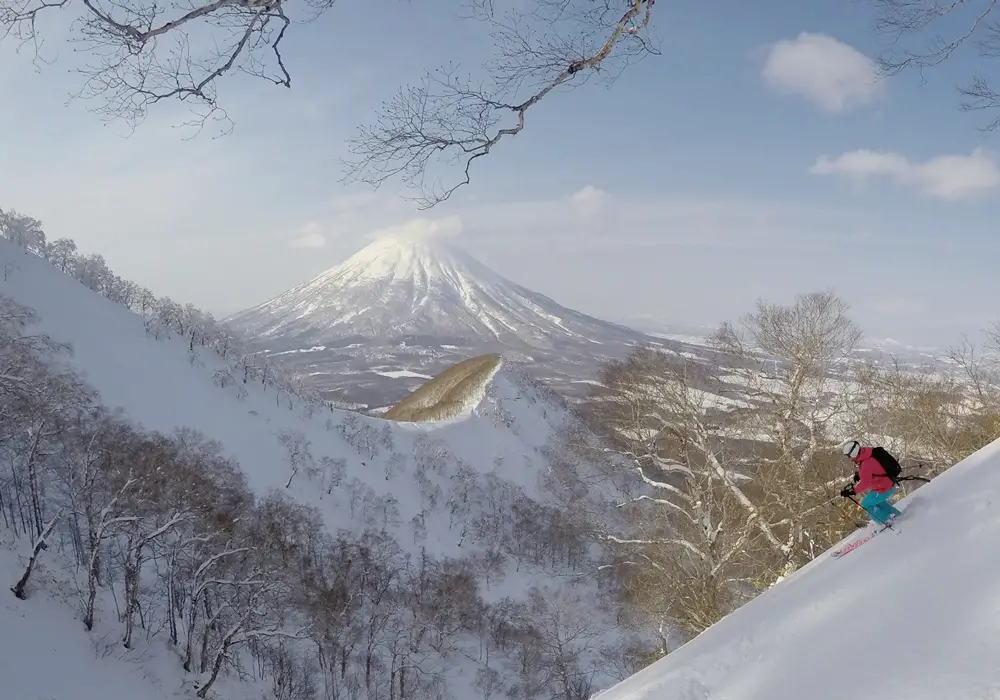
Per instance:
(851,546)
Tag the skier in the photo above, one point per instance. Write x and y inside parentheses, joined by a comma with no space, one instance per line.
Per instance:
(870,476)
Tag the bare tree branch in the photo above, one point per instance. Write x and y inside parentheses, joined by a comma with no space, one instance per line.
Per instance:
(139,53)
(941,29)
(453,120)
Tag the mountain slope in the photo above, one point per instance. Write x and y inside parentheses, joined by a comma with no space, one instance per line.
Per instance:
(408,288)
(421,306)
(913,615)
(472,493)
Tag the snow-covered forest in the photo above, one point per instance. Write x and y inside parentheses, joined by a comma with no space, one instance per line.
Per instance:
(266,542)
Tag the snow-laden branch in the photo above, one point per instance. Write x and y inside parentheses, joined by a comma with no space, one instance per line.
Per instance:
(237,633)
(663,486)
(685,544)
(660,502)
(300,634)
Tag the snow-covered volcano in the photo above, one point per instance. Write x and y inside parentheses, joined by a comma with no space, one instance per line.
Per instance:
(406,288)
(410,306)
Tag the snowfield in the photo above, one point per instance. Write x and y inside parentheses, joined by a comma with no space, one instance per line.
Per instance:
(396,374)
(910,615)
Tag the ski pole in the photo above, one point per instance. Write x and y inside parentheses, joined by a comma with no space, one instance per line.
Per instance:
(916,478)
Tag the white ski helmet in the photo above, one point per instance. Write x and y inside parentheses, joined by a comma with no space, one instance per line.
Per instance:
(851,448)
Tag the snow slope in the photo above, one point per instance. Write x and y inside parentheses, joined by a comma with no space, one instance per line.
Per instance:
(911,615)
(424,484)
(45,654)
(157,386)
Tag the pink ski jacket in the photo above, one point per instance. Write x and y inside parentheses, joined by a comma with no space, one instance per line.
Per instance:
(871,475)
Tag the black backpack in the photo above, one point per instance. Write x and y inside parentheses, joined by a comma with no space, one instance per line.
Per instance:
(888,462)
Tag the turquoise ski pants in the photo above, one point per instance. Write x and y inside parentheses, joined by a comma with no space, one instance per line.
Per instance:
(878,507)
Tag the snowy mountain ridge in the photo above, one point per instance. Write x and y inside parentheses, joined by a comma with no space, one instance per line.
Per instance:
(418,306)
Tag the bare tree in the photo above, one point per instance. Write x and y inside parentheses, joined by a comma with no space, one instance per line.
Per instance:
(299,451)
(927,417)
(735,475)
(37,548)
(41,416)
(488,680)
(141,536)
(559,639)
(925,33)
(104,524)
(790,364)
(202,578)
(249,602)
(452,120)
(690,518)
(139,52)
(333,471)
(23,230)
(62,254)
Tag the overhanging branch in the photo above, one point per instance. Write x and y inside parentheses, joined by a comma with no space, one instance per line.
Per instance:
(453,120)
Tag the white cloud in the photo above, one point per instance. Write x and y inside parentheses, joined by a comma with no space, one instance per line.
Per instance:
(422,228)
(823,70)
(590,200)
(950,177)
(310,236)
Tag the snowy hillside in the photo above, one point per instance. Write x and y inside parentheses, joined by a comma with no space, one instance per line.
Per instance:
(909,615)
(472,494)
(369,328)
(44,632)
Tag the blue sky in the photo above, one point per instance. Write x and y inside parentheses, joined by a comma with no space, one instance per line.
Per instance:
(753,158)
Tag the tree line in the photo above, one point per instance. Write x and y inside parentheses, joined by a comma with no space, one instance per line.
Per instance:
(162,316)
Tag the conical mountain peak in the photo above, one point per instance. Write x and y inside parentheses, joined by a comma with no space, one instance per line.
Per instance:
(404,257)
(417,305)
(408,287)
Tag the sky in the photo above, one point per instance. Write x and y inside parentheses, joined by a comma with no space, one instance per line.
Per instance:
(758,156)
